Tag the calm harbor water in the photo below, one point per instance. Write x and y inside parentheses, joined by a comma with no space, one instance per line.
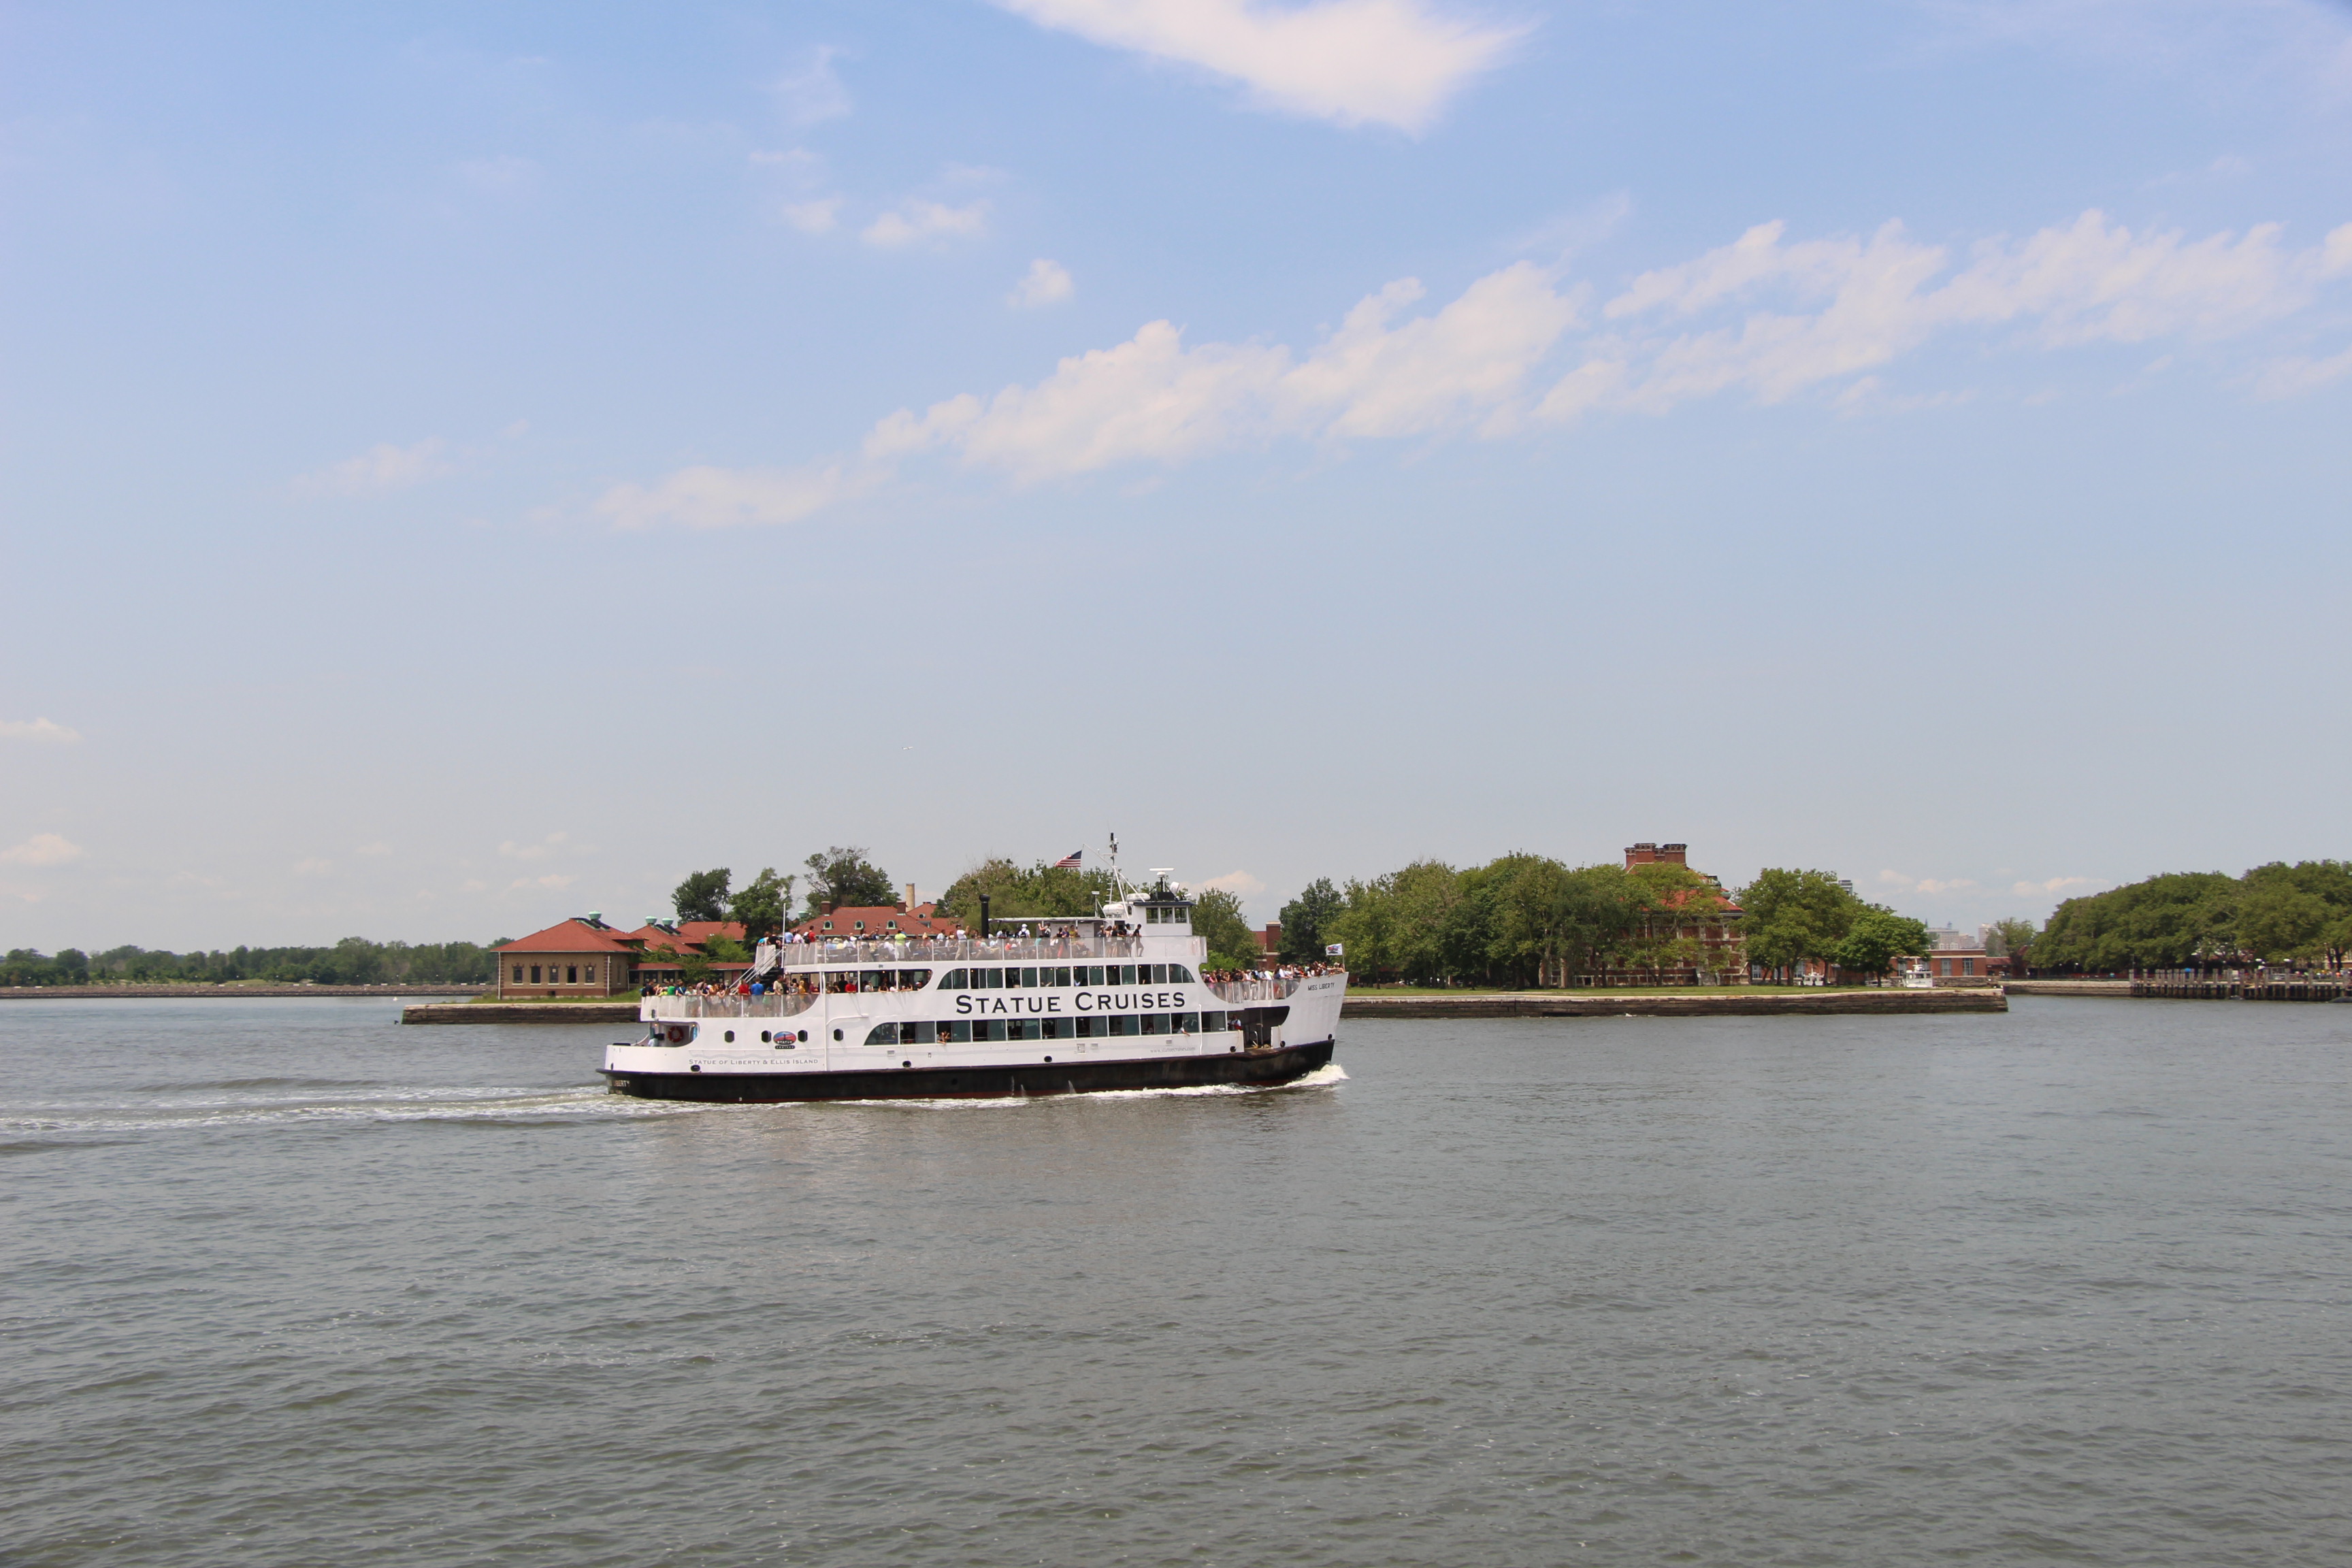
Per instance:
(286,1283)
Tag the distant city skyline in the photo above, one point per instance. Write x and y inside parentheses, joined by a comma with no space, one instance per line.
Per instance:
(463,467)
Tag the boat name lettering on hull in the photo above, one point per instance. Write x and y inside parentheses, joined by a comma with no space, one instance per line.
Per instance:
(1082,1001)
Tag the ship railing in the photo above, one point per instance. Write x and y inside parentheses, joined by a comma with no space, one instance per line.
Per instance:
(774,1004)
(1255,990)
(949,950)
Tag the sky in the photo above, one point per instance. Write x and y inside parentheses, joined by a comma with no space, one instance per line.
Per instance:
(464,466)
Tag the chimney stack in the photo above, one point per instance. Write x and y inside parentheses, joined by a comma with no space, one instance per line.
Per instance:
(911,897)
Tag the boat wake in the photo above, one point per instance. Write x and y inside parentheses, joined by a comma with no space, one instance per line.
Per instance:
(195,1108)
(1325,1077)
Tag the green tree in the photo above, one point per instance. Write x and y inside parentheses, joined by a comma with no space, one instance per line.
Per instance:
(1217,917)
(1792,916)
(844,878)
(2164,922)
(1876,936)
(1307,919)
(2010,938)
(760,906)
(1014,893)
(702,896)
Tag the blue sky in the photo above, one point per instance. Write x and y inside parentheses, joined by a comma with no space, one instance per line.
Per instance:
(463,465)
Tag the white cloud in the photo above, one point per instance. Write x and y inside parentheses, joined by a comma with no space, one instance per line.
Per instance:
(1926,884)
(41,850)
(373,851)
(816,216)
(1764,316)
(312,866)
(915,220)
(811,92)
(707,497)
(2051,884)
(2090,281)
(40,731)
(1388,62)
(1239,883)
(547,881)
(1152,399)
(1044,283)
(552,844)
(2294,377)
(381,467)
(499,174)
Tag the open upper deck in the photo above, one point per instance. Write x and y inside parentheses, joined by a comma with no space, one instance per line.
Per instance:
(926,950)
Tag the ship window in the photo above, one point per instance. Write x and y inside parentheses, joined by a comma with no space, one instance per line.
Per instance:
(1028,977)
(913,979)
(1125,976)
(908,1034)
(988,1029)
(1024,1029)
(1090,1027)
(1179,976)
(1155,1023)
(1158,975)
(1059,1029)
(883,1035)
(1061,977)
(989,979)
(953,981)
(840,980)
(1094,973)
(874,980)
(1125,1024)
(959,1032)
(1212,1023)
(1188,1023)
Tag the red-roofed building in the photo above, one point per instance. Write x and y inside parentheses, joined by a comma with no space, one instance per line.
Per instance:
(880,922)
(1693,938)
(685,940)
(578,957)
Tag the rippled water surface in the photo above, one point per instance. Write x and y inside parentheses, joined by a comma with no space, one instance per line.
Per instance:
(286,1283)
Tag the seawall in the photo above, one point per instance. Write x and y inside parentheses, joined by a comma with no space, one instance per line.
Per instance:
(519,1012)
(230,993)
(1651,1004)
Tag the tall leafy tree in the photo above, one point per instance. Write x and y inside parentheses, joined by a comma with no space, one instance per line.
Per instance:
(843,876)
(2164,922)
(1792,916)
(1016,893)
(1217,916)
(761,905)
(1876,936)
(2010,938)
(702,896)
(1306,921)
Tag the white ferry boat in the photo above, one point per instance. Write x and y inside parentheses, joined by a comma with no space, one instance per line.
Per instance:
(1058,1005)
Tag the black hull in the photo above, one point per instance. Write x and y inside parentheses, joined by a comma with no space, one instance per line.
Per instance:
(1256,1068)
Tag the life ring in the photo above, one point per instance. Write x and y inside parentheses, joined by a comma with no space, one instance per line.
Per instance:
(677,1034)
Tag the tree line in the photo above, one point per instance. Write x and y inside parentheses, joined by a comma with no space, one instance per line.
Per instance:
(354,961)
(2276,914)
(1523,916)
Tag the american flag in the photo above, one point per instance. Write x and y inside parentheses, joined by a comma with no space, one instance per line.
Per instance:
(1068,862)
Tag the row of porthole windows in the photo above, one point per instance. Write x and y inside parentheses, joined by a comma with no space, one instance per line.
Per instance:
(1009,978)
(573,975)
(982,1031)
(1094,1027)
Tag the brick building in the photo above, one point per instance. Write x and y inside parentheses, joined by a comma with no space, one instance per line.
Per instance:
(578,957)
